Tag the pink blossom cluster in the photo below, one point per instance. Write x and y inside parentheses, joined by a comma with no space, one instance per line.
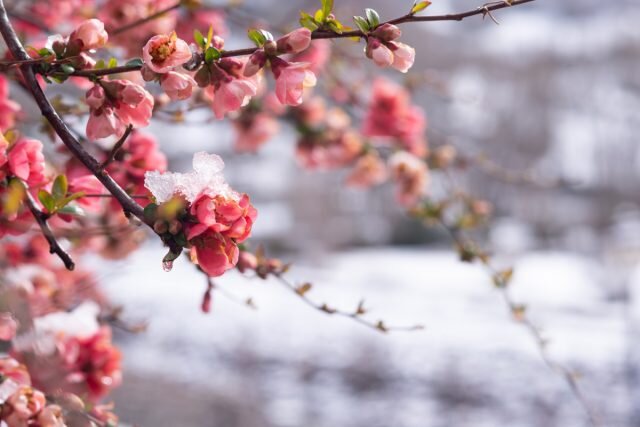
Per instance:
(385,51)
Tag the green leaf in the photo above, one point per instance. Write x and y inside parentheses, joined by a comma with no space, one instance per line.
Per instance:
(171,256)
(64,202)
(211,54)
(259,37)
(72,210)
(151,212)
(327,7)
(113,62)
(307,21)
(419,6)
(136,62)
(361,23)
(47,201)
(67,69)
(209,36)
(99,65)
(46,52)
(372,17)
(60,187)
(199,39)
(335,26)
(319,16)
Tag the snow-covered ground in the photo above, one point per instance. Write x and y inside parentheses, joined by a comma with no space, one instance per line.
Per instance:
(471,366)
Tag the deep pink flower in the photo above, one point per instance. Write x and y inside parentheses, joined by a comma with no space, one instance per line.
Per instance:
(291,79)
(232,218)
(391,115)
(178,86)
(214,253)
(164,52)
(91,34)
(8,108)
(295,41)
(26,161)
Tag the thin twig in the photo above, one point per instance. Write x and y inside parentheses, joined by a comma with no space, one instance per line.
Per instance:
(518,313)
(41,219)
(380,326)
(116,148)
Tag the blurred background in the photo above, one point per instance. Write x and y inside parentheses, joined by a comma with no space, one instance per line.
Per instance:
(548,104)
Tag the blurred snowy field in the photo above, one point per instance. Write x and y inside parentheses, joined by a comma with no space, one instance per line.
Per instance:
(289,365)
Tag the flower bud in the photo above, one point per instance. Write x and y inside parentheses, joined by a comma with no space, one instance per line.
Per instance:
(90,34)
(255,63)
(387,32)
(270,48)
(295,42)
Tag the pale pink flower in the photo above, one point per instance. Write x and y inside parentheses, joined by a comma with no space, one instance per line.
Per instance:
(51,416)
(317,55)
(26,161)
(379,53)
(295,42)
(411,176)
(22,405)
(8,326)
(252,134)
(177,85)
(123,103)
(291,79)
(4,144)
(8,108)
(368,171)
(91,33)
(403,56)
(164,52)
(231,94)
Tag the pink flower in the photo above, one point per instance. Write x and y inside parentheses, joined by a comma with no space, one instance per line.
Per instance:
(231,94)
(251,134)
(391,115)
(385,52)
(177,85)
(199,19)
(88,184)
(4,144)
(14,370)
(411,176)
(8,326)
(51,416)
(8,108)
(26,161)
(230,217)
(291,79)
(162,53)
(115,104)
(91,34)
(381,54)
(403,56)
(317,55)
(369,170)
(214,253)
(25,403)
(295,42)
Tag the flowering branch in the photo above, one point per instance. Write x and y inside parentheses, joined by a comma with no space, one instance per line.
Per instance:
(324,34)
(143,21)
(129,206)
(116,148)
(41,219)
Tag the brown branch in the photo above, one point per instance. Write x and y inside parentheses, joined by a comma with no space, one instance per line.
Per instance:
(41,219)
(323,34)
